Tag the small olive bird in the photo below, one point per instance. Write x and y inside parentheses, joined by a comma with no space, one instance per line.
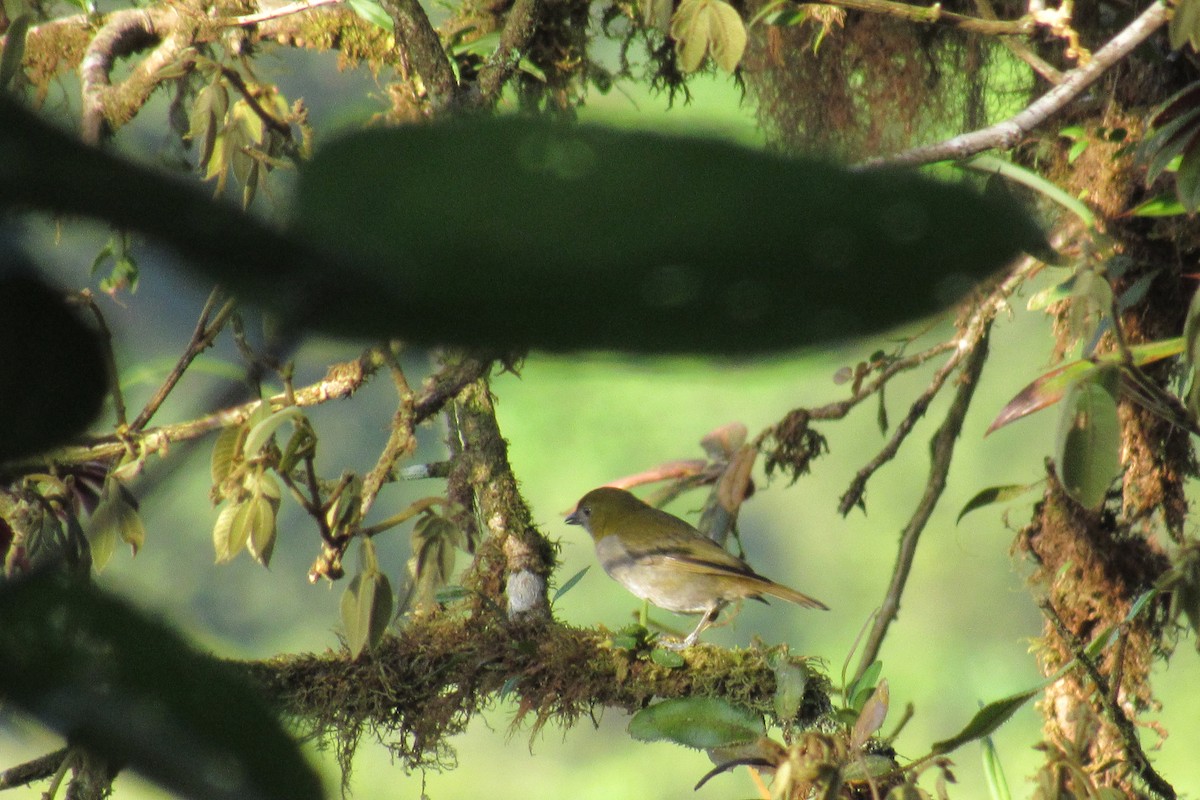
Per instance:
(663,559)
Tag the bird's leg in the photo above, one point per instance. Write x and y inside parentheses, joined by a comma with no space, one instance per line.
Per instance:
(708,618)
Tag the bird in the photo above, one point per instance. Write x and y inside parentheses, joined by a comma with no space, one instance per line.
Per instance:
(661,558)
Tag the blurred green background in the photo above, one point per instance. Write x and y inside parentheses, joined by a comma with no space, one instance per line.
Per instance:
(573,423)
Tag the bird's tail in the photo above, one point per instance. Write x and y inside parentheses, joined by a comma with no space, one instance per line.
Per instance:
(792,596)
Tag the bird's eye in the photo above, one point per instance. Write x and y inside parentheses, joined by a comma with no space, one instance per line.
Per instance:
(587,512)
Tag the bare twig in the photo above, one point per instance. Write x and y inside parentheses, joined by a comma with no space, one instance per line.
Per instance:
(402,440)
(935,15)
(942,451)
(1107,696)
(202,338)
(1006,134)
(1021,50)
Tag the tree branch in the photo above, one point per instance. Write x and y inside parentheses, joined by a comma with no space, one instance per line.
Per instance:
(519,27)
(415,34)
(1004,135)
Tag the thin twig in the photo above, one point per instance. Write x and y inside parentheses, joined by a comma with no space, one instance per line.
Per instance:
(1021,50)
(202,338)
(402,440)
(942,448)
(1129,734)
(1006,134)
(935,15)
(276,13)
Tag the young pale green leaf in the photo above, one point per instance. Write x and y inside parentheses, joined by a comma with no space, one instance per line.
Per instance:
(224,454)
(994,494)
(367,607)
(102,541)
(987,720)
(371,11)
(635,233)
(230,532)
(699,722)
(129,688)
(726,35)
(858,692)
(791,681)
(1089,438)
(262,530)
(261,432)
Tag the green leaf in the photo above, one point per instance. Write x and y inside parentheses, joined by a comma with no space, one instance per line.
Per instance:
(128,688)
(1027,177)
(791,681)
(366,610)
(260,516)
(699,722)
(14,49)
(1051,387)
(569,585)
(993,772)
(261,432)
(987,720)
(858,692)
(1184,27)
(667,658)
(1161,206)
(994,494)
(224,454)
(371,11)
(625,240)
(1090,438)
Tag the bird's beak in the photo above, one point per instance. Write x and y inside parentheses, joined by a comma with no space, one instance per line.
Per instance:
(573,518)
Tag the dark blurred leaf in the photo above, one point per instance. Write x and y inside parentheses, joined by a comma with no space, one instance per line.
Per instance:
(700,722)
(1090,437)
(508,231)
(14,48)
(52,363)
(130,689)
(989,718)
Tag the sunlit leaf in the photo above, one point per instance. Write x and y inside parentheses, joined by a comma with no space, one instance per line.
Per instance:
(128,688)
(1184,27)
(261,432)
(372,12)
(1161,206)
(699,722)
(987,720)
(667,658)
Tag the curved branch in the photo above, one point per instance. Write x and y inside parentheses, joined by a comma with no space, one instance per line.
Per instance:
(519,28)
(107,107)
(1004,135)
(424,50)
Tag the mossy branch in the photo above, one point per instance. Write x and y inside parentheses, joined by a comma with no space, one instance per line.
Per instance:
(426,683)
